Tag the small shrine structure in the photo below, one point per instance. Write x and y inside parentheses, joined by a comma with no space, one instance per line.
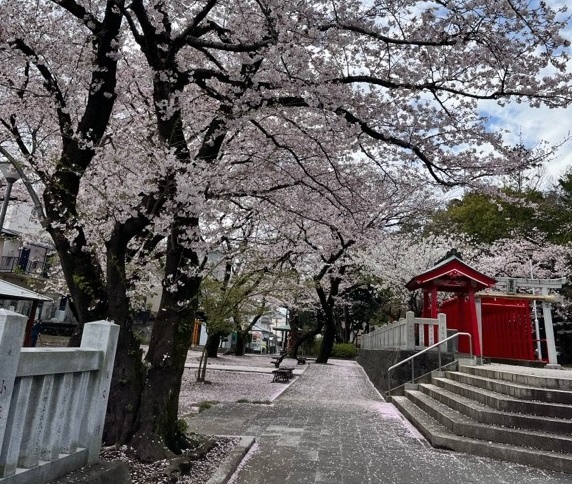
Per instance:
(499,322)
(452,275)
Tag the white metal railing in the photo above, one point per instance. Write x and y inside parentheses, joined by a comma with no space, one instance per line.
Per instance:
(412,358)
(52,401)
(409,333)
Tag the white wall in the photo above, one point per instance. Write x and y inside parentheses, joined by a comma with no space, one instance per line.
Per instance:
(20,218)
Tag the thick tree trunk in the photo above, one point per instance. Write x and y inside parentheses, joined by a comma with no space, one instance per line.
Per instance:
(307,336)
(92,299)
(327,303)
(327,341)
(240,343)
(294,322)
(157,421)
(170,340)
(95,301)
(128,371)
(125,391)
(213,342)
(158,415)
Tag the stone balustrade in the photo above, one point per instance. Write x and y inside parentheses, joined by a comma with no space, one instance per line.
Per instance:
(52,401)
(409,333)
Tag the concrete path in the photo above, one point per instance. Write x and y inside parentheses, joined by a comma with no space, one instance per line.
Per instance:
(332,427)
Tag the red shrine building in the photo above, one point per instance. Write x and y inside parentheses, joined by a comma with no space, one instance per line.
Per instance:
(500,324)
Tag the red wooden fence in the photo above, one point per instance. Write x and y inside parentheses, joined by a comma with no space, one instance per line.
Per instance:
(506,326)
(507,329)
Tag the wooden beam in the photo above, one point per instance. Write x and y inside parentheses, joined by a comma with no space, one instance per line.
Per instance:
(551,298)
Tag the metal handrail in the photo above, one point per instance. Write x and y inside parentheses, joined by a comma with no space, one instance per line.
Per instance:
(448,338)
(443,368)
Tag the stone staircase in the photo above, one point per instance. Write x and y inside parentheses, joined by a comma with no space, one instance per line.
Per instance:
(517,414)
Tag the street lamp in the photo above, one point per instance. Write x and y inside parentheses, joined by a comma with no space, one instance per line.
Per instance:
(529,252)
(12,176)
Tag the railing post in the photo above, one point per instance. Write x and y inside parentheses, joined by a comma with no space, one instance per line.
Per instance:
(549,331)
(410,332)
(12,326)
(101,335)
(442,318)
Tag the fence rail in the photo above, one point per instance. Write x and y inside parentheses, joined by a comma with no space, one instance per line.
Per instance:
(409,333)
(52,401)
(17,264)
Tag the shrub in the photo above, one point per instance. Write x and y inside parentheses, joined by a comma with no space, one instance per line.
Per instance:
(310,347)
(182,426)
(344,350)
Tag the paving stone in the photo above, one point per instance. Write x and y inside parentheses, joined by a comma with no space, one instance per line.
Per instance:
(331,426)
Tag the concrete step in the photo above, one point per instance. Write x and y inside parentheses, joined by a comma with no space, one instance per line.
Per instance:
(516,390)
(484,414)
(532,377)
(441,437)
(464,426)
(505,403)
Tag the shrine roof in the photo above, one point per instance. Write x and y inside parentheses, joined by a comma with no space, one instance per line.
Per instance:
(451,274)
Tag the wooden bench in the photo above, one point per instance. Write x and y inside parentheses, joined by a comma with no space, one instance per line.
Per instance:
(278,360)
(282,374)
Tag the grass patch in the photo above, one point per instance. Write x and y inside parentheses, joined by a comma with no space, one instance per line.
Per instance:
(206,405)
(255,402)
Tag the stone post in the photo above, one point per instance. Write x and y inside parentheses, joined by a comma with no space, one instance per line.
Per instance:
(549,332)
(12,326)
(442,318)
(410,331)
(99,335)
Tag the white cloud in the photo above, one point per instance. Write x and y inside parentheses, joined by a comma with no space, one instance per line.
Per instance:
(533,126)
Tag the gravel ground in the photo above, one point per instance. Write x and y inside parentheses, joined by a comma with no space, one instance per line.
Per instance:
(164,471)
(227,386)
(221,386)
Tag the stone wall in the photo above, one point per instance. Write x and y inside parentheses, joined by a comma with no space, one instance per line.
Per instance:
(376,362)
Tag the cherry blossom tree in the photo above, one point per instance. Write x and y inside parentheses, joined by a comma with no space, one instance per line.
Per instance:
(249,95)
(241,279)
(163,110)
(57,103)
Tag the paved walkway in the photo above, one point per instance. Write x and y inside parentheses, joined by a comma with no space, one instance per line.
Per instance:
(332,427)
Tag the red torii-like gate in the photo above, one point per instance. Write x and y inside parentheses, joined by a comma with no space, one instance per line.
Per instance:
(451,274)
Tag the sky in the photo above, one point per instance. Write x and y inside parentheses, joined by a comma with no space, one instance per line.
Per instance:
(543,124)
(534,126)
